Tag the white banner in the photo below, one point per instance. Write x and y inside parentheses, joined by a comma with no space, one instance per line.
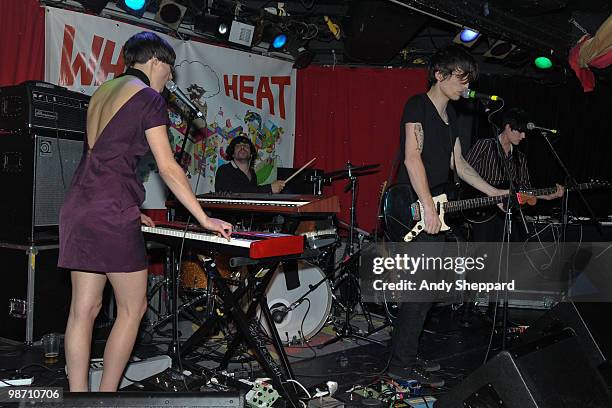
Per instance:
(237,91)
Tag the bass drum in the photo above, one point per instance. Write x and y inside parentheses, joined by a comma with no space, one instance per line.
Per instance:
(303,322)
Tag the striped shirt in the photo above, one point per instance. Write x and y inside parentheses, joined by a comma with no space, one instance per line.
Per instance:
(487,158)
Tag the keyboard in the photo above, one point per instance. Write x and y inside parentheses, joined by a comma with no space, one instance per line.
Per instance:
(253,244)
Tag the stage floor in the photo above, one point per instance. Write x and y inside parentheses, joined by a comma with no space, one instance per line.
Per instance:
(350,363)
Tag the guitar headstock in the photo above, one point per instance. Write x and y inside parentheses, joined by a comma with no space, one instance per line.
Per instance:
(596,183)
(524,198)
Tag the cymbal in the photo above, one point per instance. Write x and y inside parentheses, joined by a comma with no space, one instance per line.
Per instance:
(345,175)
(345,171)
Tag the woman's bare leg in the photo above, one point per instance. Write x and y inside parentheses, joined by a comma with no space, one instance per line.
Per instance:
(130,294)
(87,290)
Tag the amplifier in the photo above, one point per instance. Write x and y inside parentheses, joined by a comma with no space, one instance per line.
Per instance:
(41,105)
(36,171)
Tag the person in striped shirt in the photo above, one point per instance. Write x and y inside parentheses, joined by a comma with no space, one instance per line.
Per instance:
(498,161)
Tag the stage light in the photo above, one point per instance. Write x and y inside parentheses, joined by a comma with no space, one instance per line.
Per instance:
(170,13)
(279,41)
(135,4)
(134,7)
(468,35)
(302,56)
(499,50)
(94,5)
(543,62)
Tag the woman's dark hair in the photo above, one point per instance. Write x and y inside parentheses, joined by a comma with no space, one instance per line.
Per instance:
(450,59)
(145,45)
(241,139)
(516,118)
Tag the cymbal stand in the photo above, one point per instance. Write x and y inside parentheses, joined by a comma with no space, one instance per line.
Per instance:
(347,264)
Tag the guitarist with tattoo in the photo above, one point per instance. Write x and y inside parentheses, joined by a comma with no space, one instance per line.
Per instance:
(430,149)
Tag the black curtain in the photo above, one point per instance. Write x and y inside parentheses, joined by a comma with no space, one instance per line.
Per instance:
(584,141)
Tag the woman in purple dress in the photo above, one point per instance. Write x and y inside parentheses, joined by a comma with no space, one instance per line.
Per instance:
(100,235)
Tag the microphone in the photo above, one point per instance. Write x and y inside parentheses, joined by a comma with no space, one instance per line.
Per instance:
(172,87)
(470,94)
(279,311)
(531,126)
(278,314)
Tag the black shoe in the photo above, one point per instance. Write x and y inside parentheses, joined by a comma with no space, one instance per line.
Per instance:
(426,365)
(416,374)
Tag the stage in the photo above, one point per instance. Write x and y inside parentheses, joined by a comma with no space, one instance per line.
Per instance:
(356,366)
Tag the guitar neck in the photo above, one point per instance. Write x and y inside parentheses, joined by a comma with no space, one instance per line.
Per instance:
(460,205)
(550,190)
(454,206)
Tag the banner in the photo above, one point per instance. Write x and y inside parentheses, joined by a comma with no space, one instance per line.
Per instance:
(239,93)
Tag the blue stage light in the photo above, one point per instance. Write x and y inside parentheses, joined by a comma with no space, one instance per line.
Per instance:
(279,41)
(135,4)
(468,35)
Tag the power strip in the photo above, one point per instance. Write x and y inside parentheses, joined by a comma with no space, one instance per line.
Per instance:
(16,380)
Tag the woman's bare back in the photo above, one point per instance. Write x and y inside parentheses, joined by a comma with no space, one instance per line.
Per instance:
(106,102)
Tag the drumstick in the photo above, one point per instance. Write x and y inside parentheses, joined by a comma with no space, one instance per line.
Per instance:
(300,169)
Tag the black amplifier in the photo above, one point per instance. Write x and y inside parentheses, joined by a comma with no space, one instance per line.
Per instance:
(34,105)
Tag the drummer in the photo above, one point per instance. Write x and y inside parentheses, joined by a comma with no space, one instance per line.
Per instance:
(238,176)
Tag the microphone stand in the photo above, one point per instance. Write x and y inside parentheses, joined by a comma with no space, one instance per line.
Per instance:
(179,156)
(570,182)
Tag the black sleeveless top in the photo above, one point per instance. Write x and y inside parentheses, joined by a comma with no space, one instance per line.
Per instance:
(439,139)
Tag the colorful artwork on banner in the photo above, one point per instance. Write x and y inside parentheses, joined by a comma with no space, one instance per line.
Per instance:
(238,92)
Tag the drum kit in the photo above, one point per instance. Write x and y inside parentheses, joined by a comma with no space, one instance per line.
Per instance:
(303,296)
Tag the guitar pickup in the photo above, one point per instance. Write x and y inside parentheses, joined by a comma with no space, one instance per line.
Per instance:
(415,210)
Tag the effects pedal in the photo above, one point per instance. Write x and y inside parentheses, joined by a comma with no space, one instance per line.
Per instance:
(172,380)
(262,395)
(16,380)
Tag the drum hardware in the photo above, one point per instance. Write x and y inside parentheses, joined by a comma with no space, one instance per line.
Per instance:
(347,267)
(248,328)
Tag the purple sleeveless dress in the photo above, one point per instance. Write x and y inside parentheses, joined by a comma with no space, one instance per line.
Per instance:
(99,225)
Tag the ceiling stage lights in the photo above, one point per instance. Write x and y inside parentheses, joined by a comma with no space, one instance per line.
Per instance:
(134,7)
(170,13)
(500,50)
(467,37)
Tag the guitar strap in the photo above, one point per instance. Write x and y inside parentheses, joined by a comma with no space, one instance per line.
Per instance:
(456,179)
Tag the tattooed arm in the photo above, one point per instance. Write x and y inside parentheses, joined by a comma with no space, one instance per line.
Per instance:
(418,177)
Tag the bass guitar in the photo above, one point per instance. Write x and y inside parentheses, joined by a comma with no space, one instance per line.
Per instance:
(484,214)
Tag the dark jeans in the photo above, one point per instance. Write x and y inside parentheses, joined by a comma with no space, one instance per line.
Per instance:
(409,323)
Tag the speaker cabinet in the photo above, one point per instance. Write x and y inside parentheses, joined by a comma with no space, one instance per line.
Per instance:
(34,294)
(588,320)
(551,372)
(35,171)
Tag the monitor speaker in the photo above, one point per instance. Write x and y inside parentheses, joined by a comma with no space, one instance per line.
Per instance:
(586,320)
(550,372)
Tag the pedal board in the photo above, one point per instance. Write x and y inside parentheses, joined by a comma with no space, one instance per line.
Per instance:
(173,380)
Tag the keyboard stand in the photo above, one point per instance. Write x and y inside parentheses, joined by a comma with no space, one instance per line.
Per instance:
(248,328)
